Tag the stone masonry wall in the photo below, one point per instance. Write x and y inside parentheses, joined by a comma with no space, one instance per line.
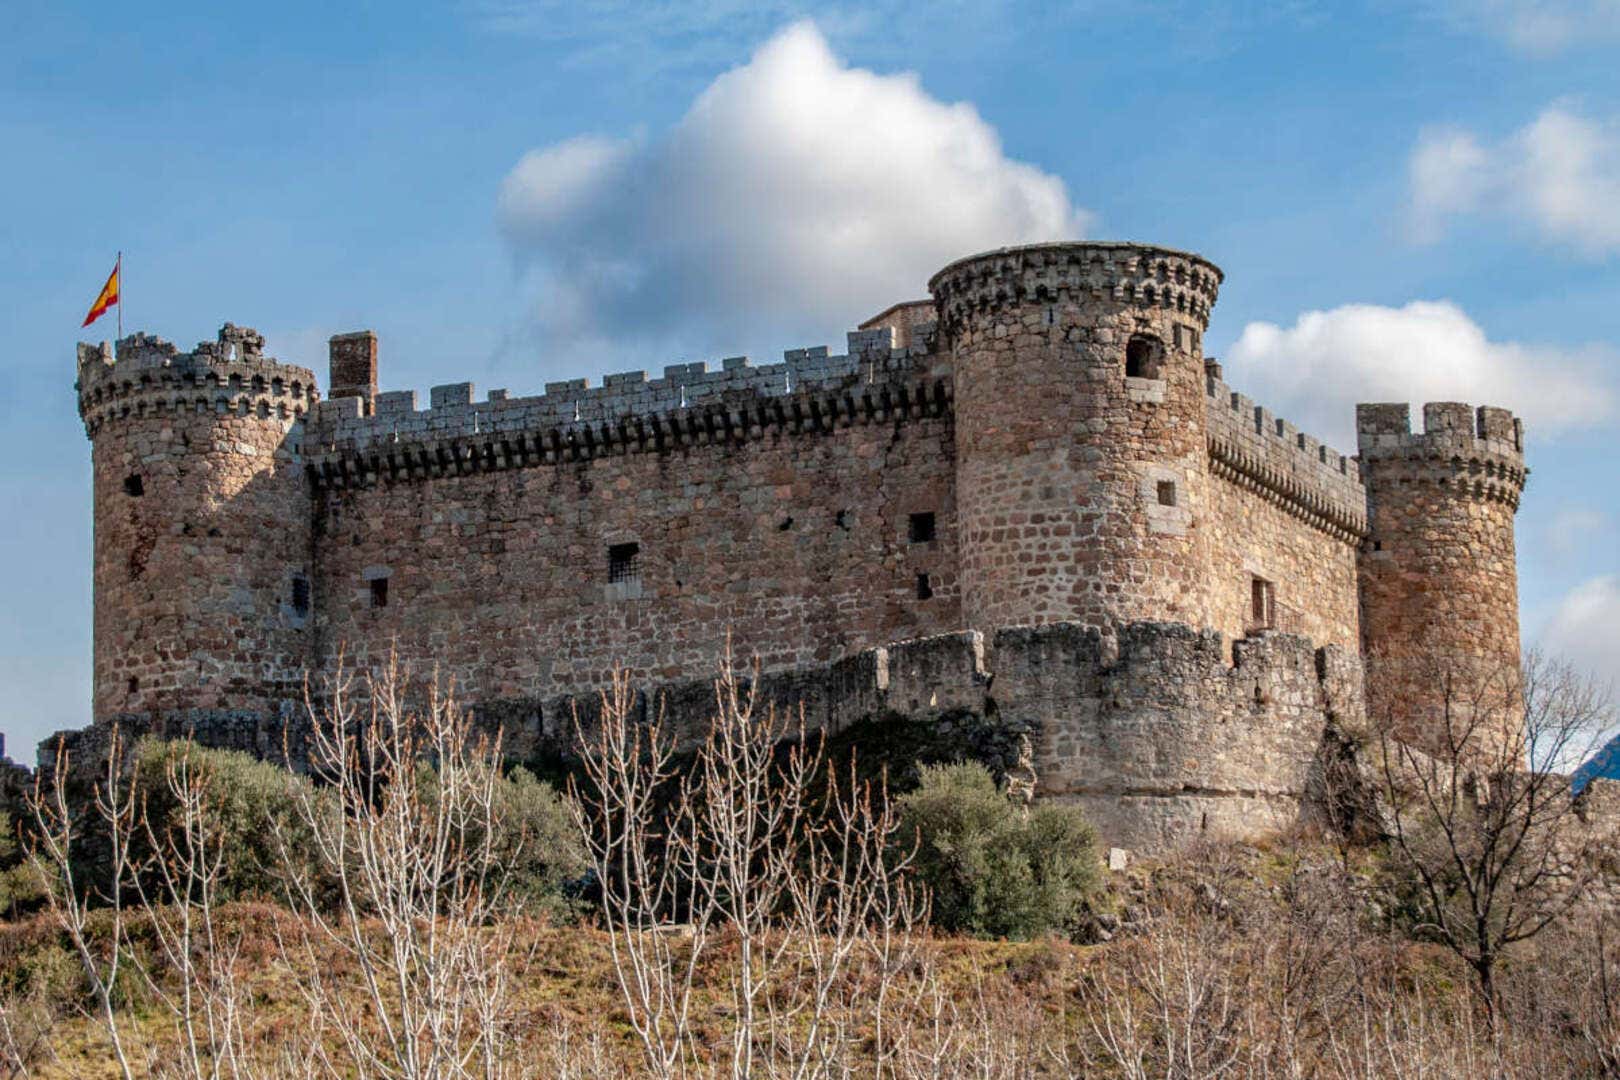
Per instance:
(1169,741)
(1285,509)
(1160,744)
(776,505)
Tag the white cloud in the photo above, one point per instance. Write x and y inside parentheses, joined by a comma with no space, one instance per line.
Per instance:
(1315,371)
(1585,627)
(1539,27)
(1559,174)
(795,194)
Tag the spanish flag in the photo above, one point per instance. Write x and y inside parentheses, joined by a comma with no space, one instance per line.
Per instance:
(108,297)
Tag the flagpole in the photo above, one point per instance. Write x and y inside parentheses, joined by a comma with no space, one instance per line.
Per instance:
(120,269)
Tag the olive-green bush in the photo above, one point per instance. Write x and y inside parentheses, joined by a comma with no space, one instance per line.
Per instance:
(251,809)
(993,868)
(253,815)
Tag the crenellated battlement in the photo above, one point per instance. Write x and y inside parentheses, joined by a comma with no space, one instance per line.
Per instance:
(231,375)
(1136,274)
(809,391)
(1476,451)
(1266,454)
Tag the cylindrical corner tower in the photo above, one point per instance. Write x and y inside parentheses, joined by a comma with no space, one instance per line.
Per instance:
(1080,432)
(1439,584)
(202,529)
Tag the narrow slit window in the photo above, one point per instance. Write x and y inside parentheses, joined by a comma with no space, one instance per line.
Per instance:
(624,562)
(1167,493)
(379,592)
(922,528)
(300,596)
(925,588)
(134,486)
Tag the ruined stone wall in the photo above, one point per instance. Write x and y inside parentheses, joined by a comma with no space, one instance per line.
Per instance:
(201,525)
(1169,741)
(1160,744)
(774,503)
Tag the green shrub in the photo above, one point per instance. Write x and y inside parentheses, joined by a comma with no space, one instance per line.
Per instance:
(993,869)
(247,801)
(21,888)
(536,842)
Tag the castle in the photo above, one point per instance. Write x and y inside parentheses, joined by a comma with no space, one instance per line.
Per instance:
(1025,515)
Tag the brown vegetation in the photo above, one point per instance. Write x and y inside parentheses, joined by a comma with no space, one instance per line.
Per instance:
(760,916)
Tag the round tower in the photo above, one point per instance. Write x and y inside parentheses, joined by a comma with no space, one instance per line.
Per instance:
(202,529)
(1080,433)
(1439,584)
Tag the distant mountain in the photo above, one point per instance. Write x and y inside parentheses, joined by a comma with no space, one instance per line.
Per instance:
(1606,762)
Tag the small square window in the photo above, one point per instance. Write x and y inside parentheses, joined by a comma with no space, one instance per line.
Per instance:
(134,486)
(922,527)
(379,592)
(624,562)
(1143,354)
(1167,493)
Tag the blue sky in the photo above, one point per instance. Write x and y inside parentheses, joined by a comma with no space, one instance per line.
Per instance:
(1410,201)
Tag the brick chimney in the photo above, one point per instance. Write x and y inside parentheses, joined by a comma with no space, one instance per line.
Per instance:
(354,368)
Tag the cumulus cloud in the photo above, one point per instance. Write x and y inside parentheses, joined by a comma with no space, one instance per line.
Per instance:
(1315,371)
(1560,175)
(1585,627)
(1539,27)
(796,194)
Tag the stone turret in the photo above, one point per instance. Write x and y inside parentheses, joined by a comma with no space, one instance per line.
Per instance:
(202,531)
(1439,582)
(1080,431)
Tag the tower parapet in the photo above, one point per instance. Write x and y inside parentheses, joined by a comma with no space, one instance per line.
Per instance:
(203,584)
(1477,452)
(1080,431)
(1439,580)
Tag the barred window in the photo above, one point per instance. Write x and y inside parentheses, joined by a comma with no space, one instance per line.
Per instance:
(624,562)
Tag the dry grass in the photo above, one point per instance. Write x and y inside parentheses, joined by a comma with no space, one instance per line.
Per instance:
(1244,961)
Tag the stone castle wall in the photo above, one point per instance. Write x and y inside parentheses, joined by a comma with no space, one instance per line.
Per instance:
(775,504)
(1284,509)
(1043,443)
(1161,739)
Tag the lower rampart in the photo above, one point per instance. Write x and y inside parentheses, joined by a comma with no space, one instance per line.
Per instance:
(1161,742)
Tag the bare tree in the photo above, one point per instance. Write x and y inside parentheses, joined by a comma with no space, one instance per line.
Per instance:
(404,822)
(58,829)
(751,854)
(1483,825)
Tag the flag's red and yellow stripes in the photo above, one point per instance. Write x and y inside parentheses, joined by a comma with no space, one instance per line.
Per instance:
(108,297)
